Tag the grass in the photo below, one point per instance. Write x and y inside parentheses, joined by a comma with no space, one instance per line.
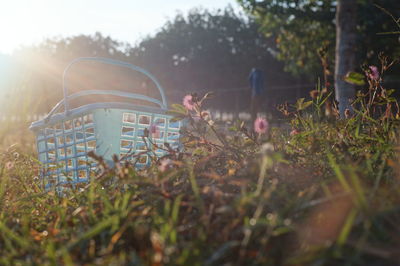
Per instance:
(326,193)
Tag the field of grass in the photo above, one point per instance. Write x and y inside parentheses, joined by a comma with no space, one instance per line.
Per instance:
(325,192)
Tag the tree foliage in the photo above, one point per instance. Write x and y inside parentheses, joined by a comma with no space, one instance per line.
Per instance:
(208,51)
(199,51)
(301,27)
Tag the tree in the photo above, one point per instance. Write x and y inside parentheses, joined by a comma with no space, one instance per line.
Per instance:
(209,51)
(345,52)
(198,52)
(300,27)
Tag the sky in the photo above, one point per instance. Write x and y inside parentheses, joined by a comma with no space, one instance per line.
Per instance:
(27,22)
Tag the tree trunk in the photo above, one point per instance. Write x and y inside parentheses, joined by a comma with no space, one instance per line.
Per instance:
(345,52)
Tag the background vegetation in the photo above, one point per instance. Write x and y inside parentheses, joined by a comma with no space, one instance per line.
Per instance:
(208,51)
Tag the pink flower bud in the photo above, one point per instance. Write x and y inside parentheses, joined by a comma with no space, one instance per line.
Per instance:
(188,102)
(165,164)
(374,73)
(261,126)
(294,132)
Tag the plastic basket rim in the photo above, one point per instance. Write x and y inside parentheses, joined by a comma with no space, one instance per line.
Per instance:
(37,125)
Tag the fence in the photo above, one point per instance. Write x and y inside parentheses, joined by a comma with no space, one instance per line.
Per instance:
(217,115)
(21,118)
(234,96)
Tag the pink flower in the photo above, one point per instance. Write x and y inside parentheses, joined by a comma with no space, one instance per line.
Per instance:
(374,73)
(154,130)
(294,132)
(188,102)
(165,164)
(9,165)
(261,125)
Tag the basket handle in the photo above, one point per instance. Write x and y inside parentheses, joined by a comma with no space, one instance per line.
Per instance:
(117,63)
(101,92)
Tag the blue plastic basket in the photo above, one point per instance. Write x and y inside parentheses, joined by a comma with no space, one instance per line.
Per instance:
(107,128)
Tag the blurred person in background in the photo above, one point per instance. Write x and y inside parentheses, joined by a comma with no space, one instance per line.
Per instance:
(256,79)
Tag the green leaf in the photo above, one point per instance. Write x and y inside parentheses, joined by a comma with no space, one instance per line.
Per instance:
(306,104)
(346,229)
(199,152)
(95,230)
(178,108)
(176,117)
(355,78)
(21,241)
(178,112)
(338,172)
(281,230)
(301,105)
